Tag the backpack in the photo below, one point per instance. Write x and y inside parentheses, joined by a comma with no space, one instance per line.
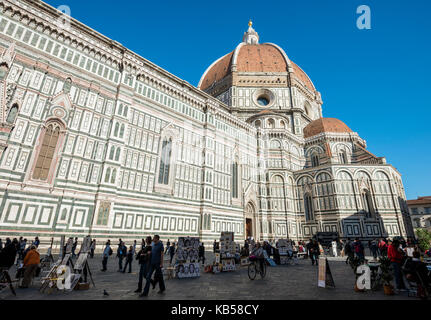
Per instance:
(110,252)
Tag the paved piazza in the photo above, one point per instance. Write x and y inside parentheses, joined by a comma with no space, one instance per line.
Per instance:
(282,282)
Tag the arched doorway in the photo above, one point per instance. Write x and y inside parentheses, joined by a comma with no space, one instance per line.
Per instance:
(250,221)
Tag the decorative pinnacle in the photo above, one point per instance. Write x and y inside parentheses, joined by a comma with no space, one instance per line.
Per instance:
(250,23)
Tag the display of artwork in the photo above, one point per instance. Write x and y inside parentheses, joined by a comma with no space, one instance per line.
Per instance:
(282,246)
(228,250)
(187,255)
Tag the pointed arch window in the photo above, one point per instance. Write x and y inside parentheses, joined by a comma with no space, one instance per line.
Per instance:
(107,175)
(308,207)
(113,176)
(122,131)
(367,203)
(343,157)
(117,155)
(12,114)
(111,153)
(165,162)
(49,144)
(235,180)
(314,160)
(117,127)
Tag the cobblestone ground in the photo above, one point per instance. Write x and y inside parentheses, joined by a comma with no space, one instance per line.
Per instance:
(293,282)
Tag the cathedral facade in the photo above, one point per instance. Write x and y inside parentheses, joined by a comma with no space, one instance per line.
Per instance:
(95,139)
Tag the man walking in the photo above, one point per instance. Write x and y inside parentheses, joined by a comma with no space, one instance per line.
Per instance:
(143,257)
(156,264)
(168,244)
(202,253)
(106,253)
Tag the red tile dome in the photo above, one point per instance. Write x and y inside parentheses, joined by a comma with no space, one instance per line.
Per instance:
(325,125)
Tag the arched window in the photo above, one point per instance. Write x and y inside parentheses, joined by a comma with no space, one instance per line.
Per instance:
(271,123)
(103,216)
(113,176)
(308,207)
(126,109)
(12,114)
(120,109)
(47,151)
(111,154)
(314,160)
(258,124)
(122,131)
(367,203)
(343,157)
(3,70)
(165,162)
(117,155)
(107,175)
(117,127)
(235,180)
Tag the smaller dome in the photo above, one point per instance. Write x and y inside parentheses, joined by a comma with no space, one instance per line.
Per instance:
(325,125)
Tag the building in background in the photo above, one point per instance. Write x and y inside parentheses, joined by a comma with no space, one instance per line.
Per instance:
(420,212)
(95,139)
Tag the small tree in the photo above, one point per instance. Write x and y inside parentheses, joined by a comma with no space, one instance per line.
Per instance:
(424,237)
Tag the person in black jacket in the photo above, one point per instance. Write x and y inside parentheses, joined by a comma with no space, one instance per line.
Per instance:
(129,260)
(202,253)
(8,254)
(143,256)
(172,252)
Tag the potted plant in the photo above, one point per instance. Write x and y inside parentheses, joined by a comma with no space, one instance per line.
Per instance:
(385,267)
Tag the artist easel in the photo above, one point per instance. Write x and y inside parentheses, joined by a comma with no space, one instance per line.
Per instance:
(5,281)
(50,280)
(325,278)
(82,268)
(47,261)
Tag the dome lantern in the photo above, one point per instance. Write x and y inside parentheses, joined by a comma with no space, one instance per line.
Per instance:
(251,36)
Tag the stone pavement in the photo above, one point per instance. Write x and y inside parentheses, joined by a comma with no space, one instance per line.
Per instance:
(293,282)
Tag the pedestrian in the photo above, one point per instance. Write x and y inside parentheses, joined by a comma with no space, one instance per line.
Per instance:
(1,245)
(156,264)
(8,254)
(373,248)
(383,248)
(214,246)
(143,258)
(129,260)
(396,255)
(315,252)
(21,249)
(31,263)
(134,247)
(106,253)
(74,246)
(92,248)
(359,249)
(36,242)
(168,245)
(202,253)
(172,252)
(121,253)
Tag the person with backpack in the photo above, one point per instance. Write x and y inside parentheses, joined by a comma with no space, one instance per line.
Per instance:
(129,260)
(383,248)
(121,253)
(396,255)
(106,253)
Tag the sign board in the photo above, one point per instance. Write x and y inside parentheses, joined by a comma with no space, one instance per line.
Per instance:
(325,276)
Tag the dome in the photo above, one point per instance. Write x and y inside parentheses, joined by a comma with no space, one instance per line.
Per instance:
(251,56)
(325,125)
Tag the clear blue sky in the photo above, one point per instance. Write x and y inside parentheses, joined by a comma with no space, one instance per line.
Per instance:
(377,81)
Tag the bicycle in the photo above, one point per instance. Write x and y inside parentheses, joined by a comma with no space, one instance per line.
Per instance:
(254,269)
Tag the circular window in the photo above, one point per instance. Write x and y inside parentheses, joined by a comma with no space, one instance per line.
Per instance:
(263,98)
(263,101)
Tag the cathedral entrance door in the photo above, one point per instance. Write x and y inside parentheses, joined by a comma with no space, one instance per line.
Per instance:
(249,227)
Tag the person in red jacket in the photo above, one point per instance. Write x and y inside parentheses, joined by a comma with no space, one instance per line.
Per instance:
(396,255)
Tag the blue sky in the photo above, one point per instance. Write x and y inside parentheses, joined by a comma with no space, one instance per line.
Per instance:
(377,81)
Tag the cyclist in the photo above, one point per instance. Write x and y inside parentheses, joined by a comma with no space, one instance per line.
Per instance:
(257,253)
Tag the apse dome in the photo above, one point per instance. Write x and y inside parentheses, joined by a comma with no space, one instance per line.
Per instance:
(330,125)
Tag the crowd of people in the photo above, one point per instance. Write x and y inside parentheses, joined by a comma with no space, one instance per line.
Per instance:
(403,255)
